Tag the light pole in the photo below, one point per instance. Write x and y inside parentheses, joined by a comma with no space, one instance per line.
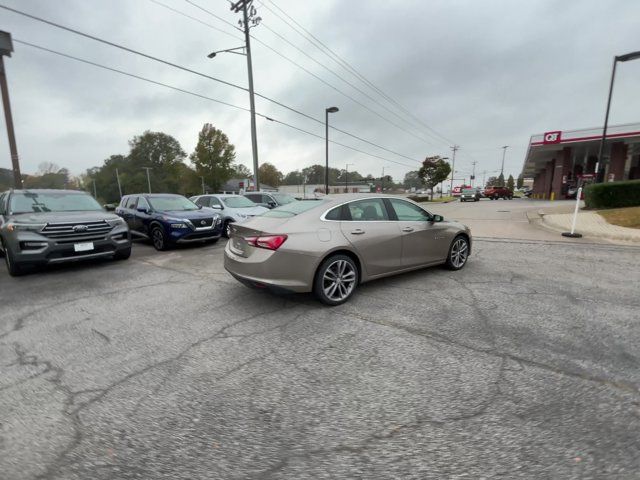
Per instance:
(453,166)
(6,47)
(504,152)
(119,186)
(249,19)
(382,181)
(346,177)
(620,58)
(148,178)
(327,111)
(202,178)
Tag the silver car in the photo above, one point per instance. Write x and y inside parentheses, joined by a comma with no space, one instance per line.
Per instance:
(233,208)
(332,245)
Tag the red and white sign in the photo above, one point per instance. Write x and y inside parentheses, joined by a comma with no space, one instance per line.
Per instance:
(552,137)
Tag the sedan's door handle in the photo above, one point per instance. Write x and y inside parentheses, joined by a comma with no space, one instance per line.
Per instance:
(407,229)
(357,231)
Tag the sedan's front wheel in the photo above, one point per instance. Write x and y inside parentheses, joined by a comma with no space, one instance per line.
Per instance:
(458,253)
(336,280)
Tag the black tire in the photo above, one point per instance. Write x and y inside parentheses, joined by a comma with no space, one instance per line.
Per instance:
(123,254)
(510,198)
(159,238)
(343,288)
(454,262)
(14,269)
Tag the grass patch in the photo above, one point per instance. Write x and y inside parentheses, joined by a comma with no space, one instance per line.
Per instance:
(436,199)
(624,217)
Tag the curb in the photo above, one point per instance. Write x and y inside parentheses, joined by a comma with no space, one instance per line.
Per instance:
(618,236)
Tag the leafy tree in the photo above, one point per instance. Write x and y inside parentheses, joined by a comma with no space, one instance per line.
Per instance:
(510,182)
(433,171)
(49,175)
(270,175)
(315,174)
(241,171)
(492,182)
(213,157)
(520,181)
(163,154)
(6,179)
(293,178)
(412,179)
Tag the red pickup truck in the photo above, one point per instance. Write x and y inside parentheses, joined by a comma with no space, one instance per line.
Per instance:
(494,193)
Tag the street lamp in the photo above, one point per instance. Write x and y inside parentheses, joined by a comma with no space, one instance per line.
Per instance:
(621,58)
(326,166)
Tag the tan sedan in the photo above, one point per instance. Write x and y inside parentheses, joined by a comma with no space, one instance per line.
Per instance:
(330,246)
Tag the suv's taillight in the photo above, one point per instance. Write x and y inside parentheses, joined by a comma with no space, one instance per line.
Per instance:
(270,242)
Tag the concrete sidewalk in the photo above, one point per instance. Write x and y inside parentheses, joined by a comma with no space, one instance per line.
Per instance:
(590,224)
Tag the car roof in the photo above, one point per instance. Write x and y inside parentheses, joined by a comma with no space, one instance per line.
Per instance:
(48,190)
(338,198)
(153,195)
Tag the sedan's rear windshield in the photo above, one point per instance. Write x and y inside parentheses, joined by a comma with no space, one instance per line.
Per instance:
(30,202)
(172,203)
(237,202)
(294,208)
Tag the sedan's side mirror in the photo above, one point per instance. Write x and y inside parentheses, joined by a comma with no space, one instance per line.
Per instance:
(437,218)
(199,207)
(217,207)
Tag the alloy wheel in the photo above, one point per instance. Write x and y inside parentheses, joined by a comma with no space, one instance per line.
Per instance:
(459,253)
(158,239)
(339,280)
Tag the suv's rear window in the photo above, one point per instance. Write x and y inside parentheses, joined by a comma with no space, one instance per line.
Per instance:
(29,202)
(294,208)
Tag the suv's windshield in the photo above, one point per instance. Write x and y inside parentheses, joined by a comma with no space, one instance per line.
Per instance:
(30,202)
(237,202)
(283,198)
(171,203)
(293,208)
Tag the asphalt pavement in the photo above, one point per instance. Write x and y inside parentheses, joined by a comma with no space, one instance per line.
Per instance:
(525,364)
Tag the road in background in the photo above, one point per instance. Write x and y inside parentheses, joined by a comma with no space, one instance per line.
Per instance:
(165,367)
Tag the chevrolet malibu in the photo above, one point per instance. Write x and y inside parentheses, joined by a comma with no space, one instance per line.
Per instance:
(329,247)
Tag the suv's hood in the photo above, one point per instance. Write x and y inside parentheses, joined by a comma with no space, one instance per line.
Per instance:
(192,214)
(64,217)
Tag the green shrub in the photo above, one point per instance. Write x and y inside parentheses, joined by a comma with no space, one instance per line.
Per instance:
(416,198)
(613,195)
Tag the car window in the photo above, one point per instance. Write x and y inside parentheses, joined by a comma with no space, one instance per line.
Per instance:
(59,201)
(2,197)
(142,203)
(168,203)
(131,202)
(283,198)
(123,202)
(294,208)
(254,197)
(238,202)
(266,199)
(368,210)
(214,202)
(408,212)
(334,214)
(203,201)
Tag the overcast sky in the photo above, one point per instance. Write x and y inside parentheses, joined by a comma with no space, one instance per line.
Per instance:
(480,73)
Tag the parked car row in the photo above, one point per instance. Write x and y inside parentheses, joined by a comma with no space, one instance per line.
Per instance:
(327,247)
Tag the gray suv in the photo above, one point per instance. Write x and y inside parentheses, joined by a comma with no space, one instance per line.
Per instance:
(39,227)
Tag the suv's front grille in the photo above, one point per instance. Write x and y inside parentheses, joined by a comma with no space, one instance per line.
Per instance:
(198,222)
(76,231)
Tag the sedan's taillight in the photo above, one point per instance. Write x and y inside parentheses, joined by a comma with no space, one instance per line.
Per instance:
(270,242)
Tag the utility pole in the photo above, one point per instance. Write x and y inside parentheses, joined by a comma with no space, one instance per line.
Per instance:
(455,148)
(484,174)
(249,13)
(6,47)
(504,152)
(148,178)
(202,178)
(346,177)
(382,182)
(95,192)
(473,174)
(119,187)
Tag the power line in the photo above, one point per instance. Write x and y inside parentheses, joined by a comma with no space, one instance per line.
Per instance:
(130,50)
(195,19)
(348,67)
(366,107)
(188,92)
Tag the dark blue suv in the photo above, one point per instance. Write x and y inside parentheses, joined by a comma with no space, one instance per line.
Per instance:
(168,219)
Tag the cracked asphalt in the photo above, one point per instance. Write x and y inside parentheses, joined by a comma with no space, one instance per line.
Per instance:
(522,365)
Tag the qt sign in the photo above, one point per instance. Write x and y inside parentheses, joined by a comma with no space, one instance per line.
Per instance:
(552,137)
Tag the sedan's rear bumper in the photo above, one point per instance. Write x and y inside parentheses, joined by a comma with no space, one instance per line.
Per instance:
(275,270)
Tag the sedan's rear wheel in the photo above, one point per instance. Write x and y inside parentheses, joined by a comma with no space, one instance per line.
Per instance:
(458,253)
(336,280)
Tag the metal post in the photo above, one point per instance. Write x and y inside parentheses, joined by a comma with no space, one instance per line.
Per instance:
(148,178)
(119,186)
(254,139)
(601,164)
(382,182)
(95,192)
(326,163)
(453,167)
(473,175)
(504,152)
(17,177)
(572,234)
(202,178)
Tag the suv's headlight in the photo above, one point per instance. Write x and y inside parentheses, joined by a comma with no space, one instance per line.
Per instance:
(178,225)
(32,227)
(115,222)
